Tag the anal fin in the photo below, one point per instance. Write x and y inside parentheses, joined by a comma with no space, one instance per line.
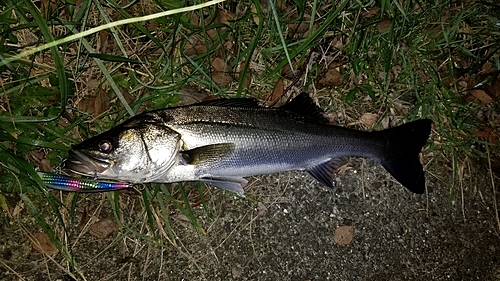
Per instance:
(232,184)
(325,172)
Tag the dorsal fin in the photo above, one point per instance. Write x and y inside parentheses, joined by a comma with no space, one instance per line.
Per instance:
(304,105)
(238,102)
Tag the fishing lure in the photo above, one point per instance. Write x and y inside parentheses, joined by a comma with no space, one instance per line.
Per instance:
(65,183)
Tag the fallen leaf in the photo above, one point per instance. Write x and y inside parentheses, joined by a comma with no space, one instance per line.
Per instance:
(370,13)
(299,28)
(369,119)
(493,88)
(221,78)
(384,25)
(332,78)
(344,234)
(103,229)
(18,209)
(277,93)
(101,102)
(224,16)
(195,49)
(481,96)
(42,244)
(219,64)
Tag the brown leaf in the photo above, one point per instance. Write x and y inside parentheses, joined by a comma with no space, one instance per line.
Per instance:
(221,79)
(219,64)
(103,229)
(195,49)
(369,119)
(370,13)
(384,25)
(332,78)
(481,96)
(299,28)
(100,102)
(102,43)
(42,244)
(224,16)
(344,234)
(277,93)
(493,88)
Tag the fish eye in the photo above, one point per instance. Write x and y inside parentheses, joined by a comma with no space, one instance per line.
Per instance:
(105,146)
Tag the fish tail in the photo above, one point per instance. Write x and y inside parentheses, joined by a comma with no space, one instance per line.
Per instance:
(400,157)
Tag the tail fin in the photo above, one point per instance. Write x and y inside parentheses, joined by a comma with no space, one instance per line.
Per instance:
(400,158)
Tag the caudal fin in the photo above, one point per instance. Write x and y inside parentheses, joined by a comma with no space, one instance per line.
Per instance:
(400,158)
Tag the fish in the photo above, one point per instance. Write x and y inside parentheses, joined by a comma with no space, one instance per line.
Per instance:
(220,142)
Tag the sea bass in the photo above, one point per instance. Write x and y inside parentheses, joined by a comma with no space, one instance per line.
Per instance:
(222,141)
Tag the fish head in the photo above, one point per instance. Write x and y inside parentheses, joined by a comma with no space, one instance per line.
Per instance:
(136,152)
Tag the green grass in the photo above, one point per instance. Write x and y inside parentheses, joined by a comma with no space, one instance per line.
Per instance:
(422,66)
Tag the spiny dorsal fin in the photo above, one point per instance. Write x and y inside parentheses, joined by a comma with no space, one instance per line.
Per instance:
(304,105)
(238,102)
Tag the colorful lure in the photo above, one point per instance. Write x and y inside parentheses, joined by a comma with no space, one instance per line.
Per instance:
(66,183)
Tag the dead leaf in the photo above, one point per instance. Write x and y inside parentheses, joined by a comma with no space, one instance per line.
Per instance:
(299,28)
(195,49)
(481,96)
(493,88)
(344,234)
(384,25)
(42,244)
(332,78)
(18,209)
(369,119)
(103,229)
(102,43)
(224,16)
(221,78)
(41,161)
(100,102)
(286,71)
(370,13)
(219,64)
(277,93)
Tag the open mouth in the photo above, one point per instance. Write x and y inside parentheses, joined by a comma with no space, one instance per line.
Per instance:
(80,163)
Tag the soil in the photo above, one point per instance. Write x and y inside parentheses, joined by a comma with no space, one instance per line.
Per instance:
(449,233)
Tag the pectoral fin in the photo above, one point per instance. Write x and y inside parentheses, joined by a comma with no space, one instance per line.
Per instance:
(232,184)
(325,172)
(207,154)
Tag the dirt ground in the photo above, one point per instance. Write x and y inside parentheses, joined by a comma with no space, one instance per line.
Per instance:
(289,234)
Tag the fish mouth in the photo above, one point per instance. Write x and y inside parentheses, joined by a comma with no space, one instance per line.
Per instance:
(84,164)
